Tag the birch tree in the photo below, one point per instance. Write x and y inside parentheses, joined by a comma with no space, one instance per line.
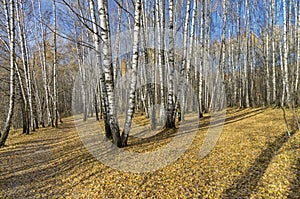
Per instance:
(203,60)
(297,9)
(146,93)
(160,56)
(170,121)
(108,72)
(286,87)
(208,22)
(246,56)
(55,98)
(96,38)
(24,104)
(10,27)
(149,90)
(135,59)
(223,38)
(273,51)
(22,92)
(191,49)
(44,67)
(184,62)
(35,85)
(25,60)
(267,56)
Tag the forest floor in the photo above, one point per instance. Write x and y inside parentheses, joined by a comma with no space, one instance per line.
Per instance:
(253,158)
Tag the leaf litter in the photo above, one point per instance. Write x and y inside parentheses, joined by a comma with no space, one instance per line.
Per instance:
(253,158)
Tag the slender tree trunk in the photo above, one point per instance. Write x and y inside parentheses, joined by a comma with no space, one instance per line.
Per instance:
(149,90)
(246,58)
(24,56)
(267,79)
(253,74)
(10,21)
(135,58)
(203,60)
(297,9)
(20,88)
(273,52)
(232,65)
(282,102)
(223,40)
(24,98)
(96,38)
(181,85)
(117,44)
(160,62)
(108,71)
(239,55)
(24,104)
(285,55)
(41,120)
(208,63)
(190,54)
(44,68)
(55,98)
(170,121)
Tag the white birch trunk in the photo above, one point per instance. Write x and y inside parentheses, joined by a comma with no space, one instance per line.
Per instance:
(35,85)
(282,72)
(267,79)
(24,106)
(160,64)
(134,68)
(273,51)
(96,39)
(223,44)
(25,62)
(151,107)
(190,50)
(246,58)
(181,86)
(170,121)
(11,35)
(117,44)
(297,16)
(203,60)
(55,98)
(285,55)
(108,71)
(44,68)
(207,65)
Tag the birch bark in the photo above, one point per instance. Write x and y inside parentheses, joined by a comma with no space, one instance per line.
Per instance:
(108,71)
(10,21)
(170,122)
(134,69)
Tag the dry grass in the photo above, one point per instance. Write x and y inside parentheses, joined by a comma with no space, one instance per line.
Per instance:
(254,158)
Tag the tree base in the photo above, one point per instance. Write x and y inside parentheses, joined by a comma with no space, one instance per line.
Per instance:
(124,140)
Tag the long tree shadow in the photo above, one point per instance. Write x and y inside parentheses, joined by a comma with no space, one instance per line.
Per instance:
(231,119)
(245,185)
(295,188)
(203,123)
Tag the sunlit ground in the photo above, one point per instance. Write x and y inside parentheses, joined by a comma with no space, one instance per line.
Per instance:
(253,158)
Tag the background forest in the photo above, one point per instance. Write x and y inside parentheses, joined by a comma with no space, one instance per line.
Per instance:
(250,47)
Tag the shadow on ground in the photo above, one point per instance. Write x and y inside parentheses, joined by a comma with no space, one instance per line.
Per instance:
(203,123)
(246,184)
(295,185)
